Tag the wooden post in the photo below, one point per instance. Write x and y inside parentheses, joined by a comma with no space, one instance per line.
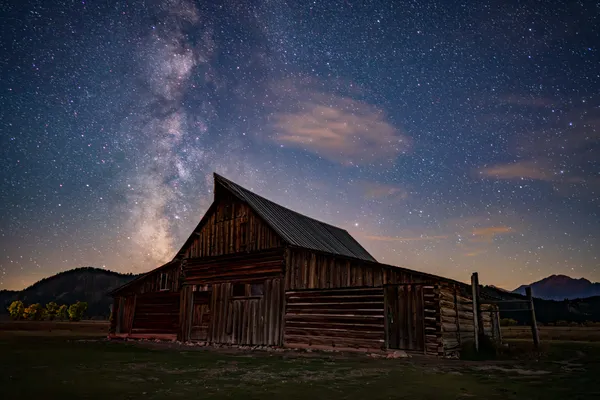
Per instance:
(386,316)
(474,287)
(534,328)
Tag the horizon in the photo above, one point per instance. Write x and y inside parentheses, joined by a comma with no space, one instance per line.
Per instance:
(444,139)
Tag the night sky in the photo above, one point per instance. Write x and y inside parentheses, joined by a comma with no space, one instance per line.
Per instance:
(446,138)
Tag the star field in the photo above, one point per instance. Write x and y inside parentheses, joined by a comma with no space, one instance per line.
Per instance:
(447,138)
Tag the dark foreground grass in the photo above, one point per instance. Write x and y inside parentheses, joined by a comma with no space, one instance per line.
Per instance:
(38,365)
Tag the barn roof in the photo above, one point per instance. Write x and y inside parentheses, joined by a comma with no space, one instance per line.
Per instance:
(297,229)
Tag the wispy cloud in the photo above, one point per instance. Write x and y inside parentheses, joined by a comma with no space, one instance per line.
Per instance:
(562,154)
(530,170)
(488,233)
(475,253)
(340,129)
(380,191)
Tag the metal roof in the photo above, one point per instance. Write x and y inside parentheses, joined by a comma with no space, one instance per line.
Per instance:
(297,229)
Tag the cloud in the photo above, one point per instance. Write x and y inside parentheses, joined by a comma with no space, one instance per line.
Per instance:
(340,129)
(531,170)
(381,191)
(405,239)
(488,233)
(475,253)
(562,152)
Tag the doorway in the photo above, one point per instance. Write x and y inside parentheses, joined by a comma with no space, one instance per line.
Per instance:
(404,314)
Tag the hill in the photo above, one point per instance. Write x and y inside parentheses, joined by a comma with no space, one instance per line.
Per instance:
(560,287)
(88,284)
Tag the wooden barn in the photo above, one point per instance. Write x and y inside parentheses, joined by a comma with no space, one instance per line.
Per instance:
(256,273)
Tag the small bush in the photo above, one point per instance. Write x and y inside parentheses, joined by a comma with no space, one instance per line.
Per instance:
(591,324)
(51,310)
(562,323)
(61,313)
(16,310)
(508,322)
(76,310)
(35,312)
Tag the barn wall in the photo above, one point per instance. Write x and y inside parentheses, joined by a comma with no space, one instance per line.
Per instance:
(217,316)
(142,308)
(232,227)
(125,306)
(156,313)
(337,318)
(114,316)
(201,316)
(310,270)
(246,320)
(150,283)
(413,317)
(457,324)
(236,267)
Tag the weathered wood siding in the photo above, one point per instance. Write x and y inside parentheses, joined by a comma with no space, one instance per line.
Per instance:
(491,321)
(457,319)
(241,319)
(114,316)
(150,283)
(339,318)
(432,319)
(311,270)
(232,227)
(246,320)
(306,270)
(201,316)
(405,314)
(236,267)
(456,309)
(125,314)
(156,312)
(412,317)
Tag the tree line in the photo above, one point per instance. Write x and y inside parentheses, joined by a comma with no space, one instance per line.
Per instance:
(52,311)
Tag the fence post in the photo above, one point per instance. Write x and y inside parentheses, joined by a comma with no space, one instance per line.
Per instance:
(475,289)
(534,329)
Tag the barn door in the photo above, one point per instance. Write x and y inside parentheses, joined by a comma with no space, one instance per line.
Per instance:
(405,317)
(201,315)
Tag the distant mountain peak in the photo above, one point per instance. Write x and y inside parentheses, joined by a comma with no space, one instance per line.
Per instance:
(560,287)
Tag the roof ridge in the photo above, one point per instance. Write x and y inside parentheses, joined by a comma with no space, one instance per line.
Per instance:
(279,205)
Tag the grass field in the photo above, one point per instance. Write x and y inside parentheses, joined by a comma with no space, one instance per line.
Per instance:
(577,333)
(77,363)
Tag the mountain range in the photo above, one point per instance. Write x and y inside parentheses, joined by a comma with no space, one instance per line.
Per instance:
(560,287)
(88,284)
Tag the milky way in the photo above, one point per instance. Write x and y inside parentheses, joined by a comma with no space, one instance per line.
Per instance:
(447,138)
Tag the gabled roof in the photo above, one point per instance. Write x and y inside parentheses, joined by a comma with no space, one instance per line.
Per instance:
(297,229)
(294,228)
